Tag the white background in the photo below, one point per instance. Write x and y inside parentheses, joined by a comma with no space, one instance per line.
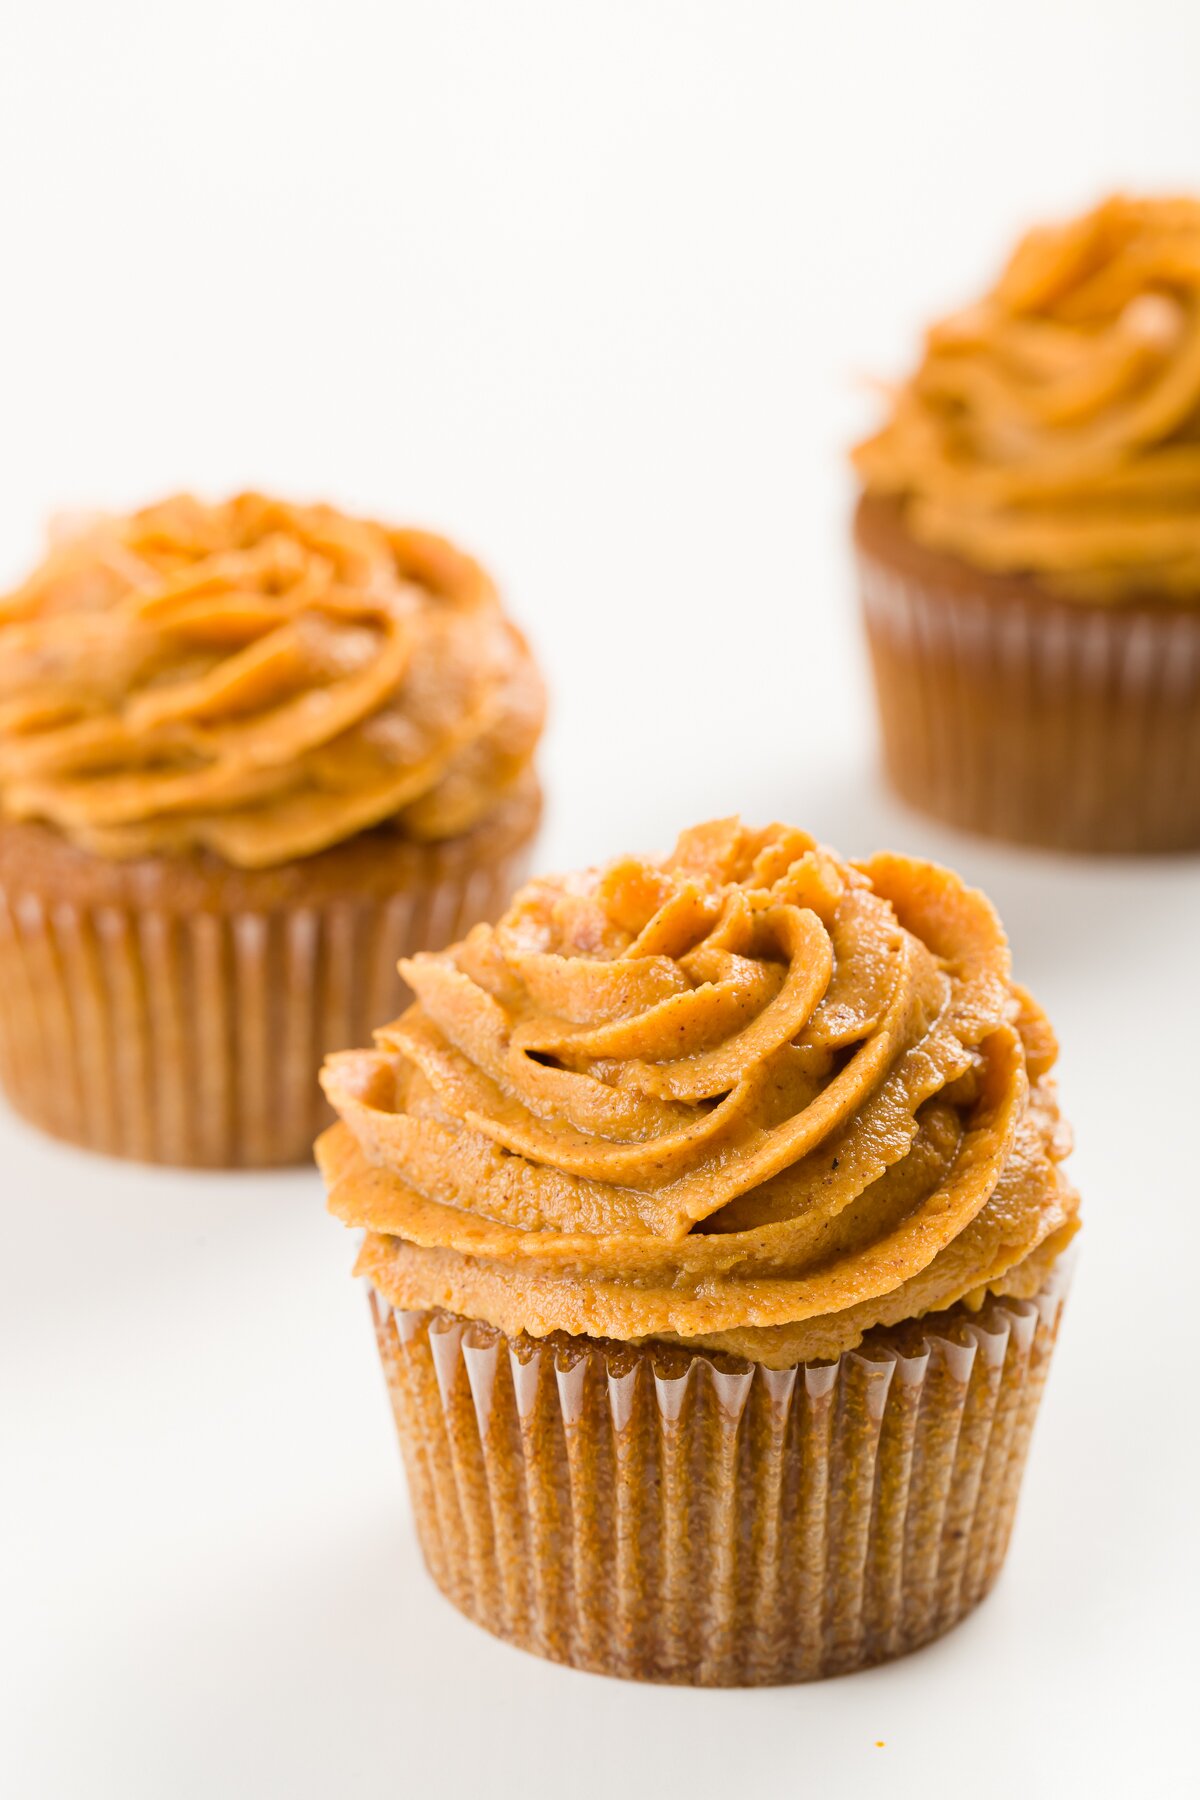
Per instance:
(592,287)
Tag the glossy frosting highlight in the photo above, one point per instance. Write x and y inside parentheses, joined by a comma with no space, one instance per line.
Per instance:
(259,680)
(749,1096)
(1053,429)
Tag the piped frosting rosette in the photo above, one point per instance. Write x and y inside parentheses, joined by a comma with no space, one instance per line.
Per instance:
(259,680)
(749,1097)
(1054,427)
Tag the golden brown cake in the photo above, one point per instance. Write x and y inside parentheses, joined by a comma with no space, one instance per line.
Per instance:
(714,1226)
(250,755)
(1028,543)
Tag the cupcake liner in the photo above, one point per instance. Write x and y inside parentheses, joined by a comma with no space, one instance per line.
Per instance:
(193,1035)
(672,1516)
(1036,719)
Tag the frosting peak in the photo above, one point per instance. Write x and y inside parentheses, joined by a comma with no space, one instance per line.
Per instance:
(1053,428)
(749,1096)
(259,680)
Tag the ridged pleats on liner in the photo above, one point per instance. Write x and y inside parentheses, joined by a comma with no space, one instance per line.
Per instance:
(674,1517)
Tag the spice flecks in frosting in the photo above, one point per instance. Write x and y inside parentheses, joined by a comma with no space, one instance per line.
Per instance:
(1053,429)
(749,1096)
(260,680)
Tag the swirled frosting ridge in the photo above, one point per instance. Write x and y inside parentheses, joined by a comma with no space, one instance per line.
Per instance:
(259,680)
(749,1096)
(1053,429)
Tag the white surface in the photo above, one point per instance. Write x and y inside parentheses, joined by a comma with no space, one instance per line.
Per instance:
(587,285)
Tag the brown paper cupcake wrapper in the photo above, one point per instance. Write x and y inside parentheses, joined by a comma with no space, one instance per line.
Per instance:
(194,1036)
(1028,718)
(670,1516)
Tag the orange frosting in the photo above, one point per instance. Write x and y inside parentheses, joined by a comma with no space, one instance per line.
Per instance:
(749,1097)
(1054,428)
(259,680)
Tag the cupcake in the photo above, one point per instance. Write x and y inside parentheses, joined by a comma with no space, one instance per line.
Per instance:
(251,754)
(714,1233)
(1028,542)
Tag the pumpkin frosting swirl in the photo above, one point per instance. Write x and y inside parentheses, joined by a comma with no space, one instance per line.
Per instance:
(749,1097)
(258,680)
(1053,429)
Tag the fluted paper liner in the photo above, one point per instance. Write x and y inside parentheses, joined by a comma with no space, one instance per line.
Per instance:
(194,1037)
(670,1516)
(1035,719)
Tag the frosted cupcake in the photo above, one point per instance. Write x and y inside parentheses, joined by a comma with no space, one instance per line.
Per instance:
(1029,544)
(250,755)
(714,1229)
